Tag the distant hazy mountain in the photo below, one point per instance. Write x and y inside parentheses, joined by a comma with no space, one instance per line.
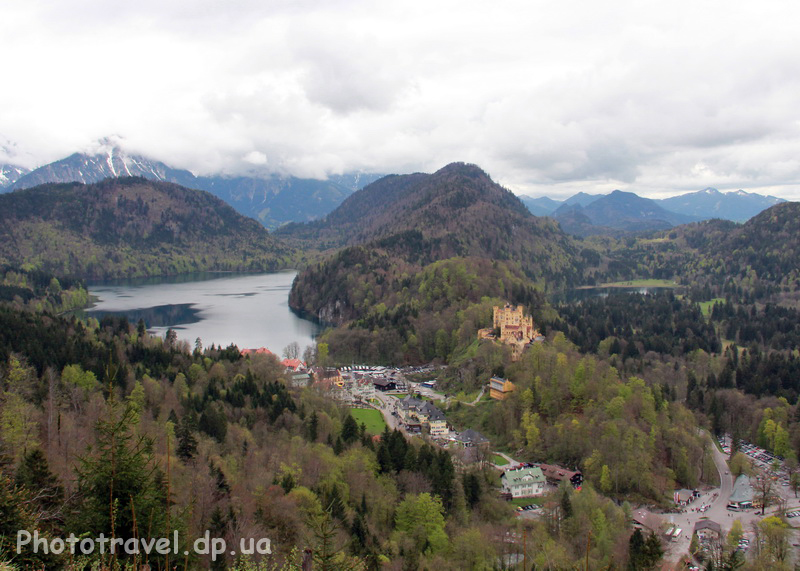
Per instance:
(542,206)
(619,210)
(738,206)
(9,174)
(273,201)
(582,199)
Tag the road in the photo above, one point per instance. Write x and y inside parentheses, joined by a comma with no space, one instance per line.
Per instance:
(718,512)
(717,498)
(387,407)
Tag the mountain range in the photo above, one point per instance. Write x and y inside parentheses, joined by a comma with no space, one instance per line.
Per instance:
(279,200)
(273,201)
(624,212)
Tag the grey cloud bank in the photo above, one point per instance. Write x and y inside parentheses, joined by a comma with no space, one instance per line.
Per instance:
(548,97)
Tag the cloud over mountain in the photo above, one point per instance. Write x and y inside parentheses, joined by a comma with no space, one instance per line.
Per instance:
(550,98)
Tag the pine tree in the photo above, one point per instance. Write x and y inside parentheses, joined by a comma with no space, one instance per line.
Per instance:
(187,443)
(472,488)
(334,503)
(117,482)
(15,515)
(35,476)
(349,430)
(636,554)
(312,427)
(338,447)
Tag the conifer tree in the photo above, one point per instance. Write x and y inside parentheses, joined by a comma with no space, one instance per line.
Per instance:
(187,443)
(117,482)
(349,430)
(47,492)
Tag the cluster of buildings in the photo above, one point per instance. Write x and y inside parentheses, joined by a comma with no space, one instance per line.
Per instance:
(416,414)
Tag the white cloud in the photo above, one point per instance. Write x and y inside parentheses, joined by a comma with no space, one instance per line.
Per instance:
(548,97)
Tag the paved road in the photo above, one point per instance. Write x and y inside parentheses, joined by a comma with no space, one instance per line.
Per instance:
(387,406)
(717,498)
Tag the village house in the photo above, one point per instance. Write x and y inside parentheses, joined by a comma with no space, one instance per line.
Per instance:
(473,446)
(259,351)
(650,522)
(707,530)
(384,385)
(471,438)
(294,365)
(500,388)
(684,497)
(300,380)
(523,482)
(556,474)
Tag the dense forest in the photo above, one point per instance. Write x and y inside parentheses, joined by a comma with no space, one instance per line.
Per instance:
(130,227)
(106,428)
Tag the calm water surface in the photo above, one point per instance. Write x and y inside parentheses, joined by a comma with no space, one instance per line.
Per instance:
(575,295)
(249,310)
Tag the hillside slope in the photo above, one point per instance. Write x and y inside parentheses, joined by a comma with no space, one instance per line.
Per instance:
(130,227)
(457,211)
(420,251)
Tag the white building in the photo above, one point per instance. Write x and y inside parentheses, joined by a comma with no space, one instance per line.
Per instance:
(523,482)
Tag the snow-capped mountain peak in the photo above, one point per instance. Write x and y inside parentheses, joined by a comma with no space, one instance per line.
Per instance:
(9,174)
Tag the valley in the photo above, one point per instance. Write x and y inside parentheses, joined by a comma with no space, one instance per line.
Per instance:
(623,388)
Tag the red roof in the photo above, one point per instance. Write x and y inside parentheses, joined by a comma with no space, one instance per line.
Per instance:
(293,363)
(259,351)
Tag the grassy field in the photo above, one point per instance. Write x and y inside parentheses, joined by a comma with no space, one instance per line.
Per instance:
(499,460)
(371,418)
(705,306)
(466,397)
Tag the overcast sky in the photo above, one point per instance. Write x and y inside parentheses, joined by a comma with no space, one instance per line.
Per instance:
(549,97)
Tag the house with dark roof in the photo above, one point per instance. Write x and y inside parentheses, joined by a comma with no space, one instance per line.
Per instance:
(471,438)
(556,474)
(384,384)
(416,412)
(707,529)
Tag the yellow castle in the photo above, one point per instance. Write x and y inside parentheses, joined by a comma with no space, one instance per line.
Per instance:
(512,327)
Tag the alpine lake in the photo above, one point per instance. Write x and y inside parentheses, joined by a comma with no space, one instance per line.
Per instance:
(244,309)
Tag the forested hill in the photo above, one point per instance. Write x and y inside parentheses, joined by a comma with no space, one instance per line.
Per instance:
(764,250)
(130,227)
(420,248)
(760,258)
(457,211)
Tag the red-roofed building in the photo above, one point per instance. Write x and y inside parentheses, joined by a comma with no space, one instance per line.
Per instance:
(293,364)
(259,351)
